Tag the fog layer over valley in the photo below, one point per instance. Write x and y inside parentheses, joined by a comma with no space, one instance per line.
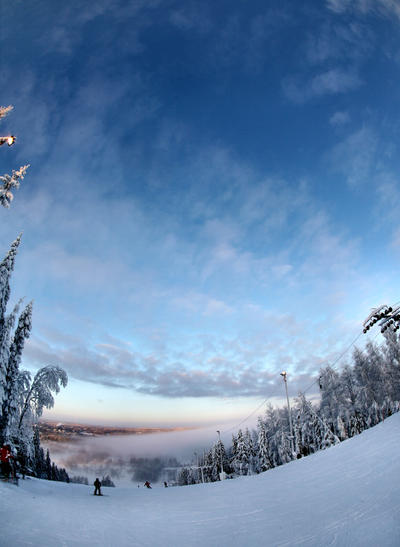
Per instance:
(120,456)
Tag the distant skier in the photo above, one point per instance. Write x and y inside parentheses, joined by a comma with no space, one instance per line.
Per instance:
(165,484)
(97,486)
(147,484)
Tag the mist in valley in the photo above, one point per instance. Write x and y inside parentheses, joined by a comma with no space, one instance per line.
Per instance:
(130,459)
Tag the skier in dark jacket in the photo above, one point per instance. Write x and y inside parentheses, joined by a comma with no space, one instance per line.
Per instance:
(97,486)
(147,484)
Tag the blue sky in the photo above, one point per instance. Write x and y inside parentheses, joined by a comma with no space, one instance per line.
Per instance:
(213,195)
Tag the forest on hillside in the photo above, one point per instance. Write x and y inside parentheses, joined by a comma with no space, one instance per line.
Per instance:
(357,397)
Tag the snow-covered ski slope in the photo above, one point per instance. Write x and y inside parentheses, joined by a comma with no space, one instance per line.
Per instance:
(348,495)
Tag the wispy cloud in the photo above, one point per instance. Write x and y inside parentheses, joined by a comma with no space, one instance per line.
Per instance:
(339,118)
(330,82)
(354,156)
(387,8)
(336,41)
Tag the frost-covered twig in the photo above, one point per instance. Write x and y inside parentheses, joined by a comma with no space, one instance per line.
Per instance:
(4,110)
(10,181)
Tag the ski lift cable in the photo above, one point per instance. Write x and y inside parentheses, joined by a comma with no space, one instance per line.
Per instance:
(335,361)
(338,359)
(303,391)
(310,386)
(245,420)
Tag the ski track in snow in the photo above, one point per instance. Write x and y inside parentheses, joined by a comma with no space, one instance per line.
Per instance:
(347,495)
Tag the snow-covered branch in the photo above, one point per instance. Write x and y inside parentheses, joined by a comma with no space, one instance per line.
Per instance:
(9,182)
(4,110)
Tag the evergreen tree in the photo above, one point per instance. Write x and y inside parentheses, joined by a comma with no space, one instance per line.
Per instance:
(391,353)
(265,460)
(308,428)
(183,478)
(37,460)
(332,395)
(9,416)
(47,469)
(6,268)
(219,458)
(106,481)
(79,480)
(208,467)
(242,454)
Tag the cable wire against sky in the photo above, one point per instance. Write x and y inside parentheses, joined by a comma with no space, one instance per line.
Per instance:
(309,387)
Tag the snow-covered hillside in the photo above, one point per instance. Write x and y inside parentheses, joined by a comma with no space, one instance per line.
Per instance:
(348,495)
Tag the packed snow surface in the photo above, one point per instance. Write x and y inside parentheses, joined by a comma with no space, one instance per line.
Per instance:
(347,495)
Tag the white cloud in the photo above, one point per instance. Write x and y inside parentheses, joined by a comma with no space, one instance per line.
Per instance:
(330,82)
(339,118)
(354,157)
(334,81)
(191,17)
(387,8)
(201,304)
(338,40)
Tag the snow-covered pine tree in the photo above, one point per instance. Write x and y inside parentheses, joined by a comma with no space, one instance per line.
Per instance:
(5,343)
(349,387)
(369,372)
(281,436)
(6,322)
(265,460)
(391,352)
(309,438)
(251,443)
(184,478)
(242,454)
(6,268)
(332,396)
(219,457)
(9,420)
(208,466)
(37,461)
(341,429)
(232,451)
(47,467)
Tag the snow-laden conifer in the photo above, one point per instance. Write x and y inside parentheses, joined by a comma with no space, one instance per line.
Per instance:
(265,460)
(242,455)
(5,342)
(6,268)
(11,397)
(219,459)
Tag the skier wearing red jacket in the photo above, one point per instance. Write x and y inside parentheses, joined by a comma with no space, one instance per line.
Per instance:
(5,458)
